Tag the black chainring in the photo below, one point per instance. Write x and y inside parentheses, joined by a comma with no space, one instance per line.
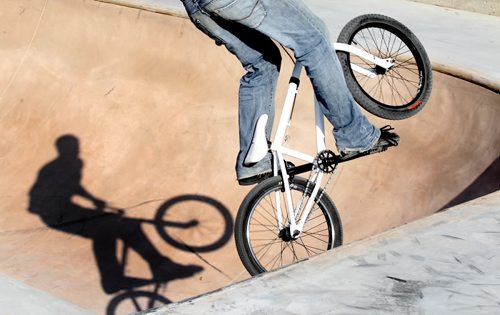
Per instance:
(326,161)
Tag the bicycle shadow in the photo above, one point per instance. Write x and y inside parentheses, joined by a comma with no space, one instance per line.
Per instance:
(172,233)
(51,198)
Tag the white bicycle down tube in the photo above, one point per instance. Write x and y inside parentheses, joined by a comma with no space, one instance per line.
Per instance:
(320,146)
(277,147)
(310,202)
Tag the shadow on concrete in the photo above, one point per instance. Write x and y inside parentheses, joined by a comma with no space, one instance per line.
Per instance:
(52,198)
(208,218)
(487,183)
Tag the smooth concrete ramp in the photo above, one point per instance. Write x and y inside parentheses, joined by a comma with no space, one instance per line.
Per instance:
(19,298)
(149,104)
(444,264)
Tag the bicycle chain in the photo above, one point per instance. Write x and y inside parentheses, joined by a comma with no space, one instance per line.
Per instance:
(327,154)
(326,185)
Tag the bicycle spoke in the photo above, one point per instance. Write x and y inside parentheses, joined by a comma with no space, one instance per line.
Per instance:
(393,88)
(319,250)
(313,227)
(267,230)
(292,249)
(308,252)
(271,213)
(276,258)
(324,238)
(405,83)
(270,224)
(267,247)
(268,243)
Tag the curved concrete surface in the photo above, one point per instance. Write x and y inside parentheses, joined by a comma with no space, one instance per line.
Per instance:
(451,52)
(446,263)
(151,105)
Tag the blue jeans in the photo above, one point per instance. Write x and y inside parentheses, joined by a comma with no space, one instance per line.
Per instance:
(245,28)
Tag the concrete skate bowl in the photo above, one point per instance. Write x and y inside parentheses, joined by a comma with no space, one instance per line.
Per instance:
(146,107)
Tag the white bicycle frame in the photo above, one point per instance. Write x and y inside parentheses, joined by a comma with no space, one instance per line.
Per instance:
(280,151)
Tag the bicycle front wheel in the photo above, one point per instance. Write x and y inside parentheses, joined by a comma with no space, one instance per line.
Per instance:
(262,246)
(395,93)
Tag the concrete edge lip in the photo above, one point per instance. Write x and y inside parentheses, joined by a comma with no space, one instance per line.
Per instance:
(467,75)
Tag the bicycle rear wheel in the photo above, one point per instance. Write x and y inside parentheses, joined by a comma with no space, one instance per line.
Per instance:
(396,93)
(263,247)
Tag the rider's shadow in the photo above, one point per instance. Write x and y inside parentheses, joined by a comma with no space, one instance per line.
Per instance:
(57,183)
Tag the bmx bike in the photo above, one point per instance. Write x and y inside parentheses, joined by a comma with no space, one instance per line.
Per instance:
(287,218)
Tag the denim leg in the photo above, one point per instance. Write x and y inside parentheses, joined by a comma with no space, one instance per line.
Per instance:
(291,23)
(256,97)
(261,59)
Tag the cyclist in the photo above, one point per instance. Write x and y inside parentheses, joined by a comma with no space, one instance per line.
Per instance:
(247,29)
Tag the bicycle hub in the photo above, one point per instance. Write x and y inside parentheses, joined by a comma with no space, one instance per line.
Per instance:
(286,234)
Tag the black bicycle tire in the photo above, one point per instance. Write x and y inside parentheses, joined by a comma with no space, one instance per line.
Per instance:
(251,201)
(362,97)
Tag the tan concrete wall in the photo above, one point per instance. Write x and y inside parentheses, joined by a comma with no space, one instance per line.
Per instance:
(491,7)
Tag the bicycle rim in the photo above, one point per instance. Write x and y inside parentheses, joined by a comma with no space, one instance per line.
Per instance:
(395,88)
(269,248)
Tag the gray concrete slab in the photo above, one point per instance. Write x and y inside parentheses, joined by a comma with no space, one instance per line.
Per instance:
(446,263)
(18,298)
(461,43)
(491,7)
